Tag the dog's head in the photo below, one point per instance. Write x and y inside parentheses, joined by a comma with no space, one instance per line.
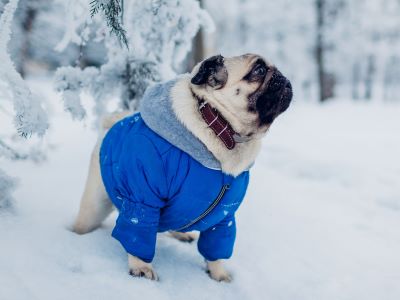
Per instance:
(247,90)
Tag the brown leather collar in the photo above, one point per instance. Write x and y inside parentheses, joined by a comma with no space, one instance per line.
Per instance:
(218,124)
(222,129)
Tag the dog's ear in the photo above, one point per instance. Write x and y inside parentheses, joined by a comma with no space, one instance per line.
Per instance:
(212,71)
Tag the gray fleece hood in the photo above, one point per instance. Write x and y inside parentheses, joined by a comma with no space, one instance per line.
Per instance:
(156,111)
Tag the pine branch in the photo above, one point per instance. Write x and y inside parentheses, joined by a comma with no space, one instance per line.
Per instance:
(112,10)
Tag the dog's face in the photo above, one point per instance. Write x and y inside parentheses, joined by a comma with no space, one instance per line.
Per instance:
(247,90)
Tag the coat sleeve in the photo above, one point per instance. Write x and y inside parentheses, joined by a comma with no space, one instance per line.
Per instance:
(217,242)
(145,190)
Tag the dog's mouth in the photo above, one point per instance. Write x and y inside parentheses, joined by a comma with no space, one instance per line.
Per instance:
(272,98)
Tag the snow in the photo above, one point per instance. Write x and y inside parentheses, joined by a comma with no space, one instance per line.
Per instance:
(321,218)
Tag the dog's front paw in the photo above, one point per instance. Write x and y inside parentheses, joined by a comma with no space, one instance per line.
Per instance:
(216,271)
(139,268)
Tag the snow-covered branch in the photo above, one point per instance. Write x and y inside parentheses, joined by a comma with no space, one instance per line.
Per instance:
(77,19)
(159,34)
(113,12)
(30,117)
(70,82)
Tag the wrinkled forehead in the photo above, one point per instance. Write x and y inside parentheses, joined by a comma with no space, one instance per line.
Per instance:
(239,66)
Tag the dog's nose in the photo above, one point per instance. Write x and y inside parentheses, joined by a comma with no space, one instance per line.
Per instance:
(287,93)
(277,82)
(280,85)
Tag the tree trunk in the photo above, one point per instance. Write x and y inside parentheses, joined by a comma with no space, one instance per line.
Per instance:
(27,25)
(356,81)
(243,26)
(369,77)
(198,49)
(326,81)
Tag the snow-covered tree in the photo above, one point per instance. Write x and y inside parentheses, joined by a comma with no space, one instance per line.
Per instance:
(158,35)
(30,117)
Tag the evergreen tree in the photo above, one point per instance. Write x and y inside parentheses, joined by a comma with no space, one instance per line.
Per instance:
(158,35)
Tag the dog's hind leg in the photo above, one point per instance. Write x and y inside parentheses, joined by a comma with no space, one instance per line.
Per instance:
(95,204)
(187,237)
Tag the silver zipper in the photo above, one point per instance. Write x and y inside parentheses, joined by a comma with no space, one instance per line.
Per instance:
(209,209)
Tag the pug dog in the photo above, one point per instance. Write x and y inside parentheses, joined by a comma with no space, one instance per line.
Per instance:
(181,164)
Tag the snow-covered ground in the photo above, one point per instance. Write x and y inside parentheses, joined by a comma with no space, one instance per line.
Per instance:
(321,219)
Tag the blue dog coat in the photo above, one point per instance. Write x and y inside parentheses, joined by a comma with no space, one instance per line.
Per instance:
(161,177)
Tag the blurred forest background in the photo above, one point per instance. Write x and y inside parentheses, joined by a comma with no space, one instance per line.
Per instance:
(329,48)
(113,49)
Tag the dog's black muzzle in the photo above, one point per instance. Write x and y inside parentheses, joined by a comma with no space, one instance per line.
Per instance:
(275,99)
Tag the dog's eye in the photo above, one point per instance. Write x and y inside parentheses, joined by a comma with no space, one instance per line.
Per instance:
(257,73)
(259,70)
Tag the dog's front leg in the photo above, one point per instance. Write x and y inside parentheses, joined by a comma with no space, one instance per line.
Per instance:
(215,244)
(217,271)
(139,268)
